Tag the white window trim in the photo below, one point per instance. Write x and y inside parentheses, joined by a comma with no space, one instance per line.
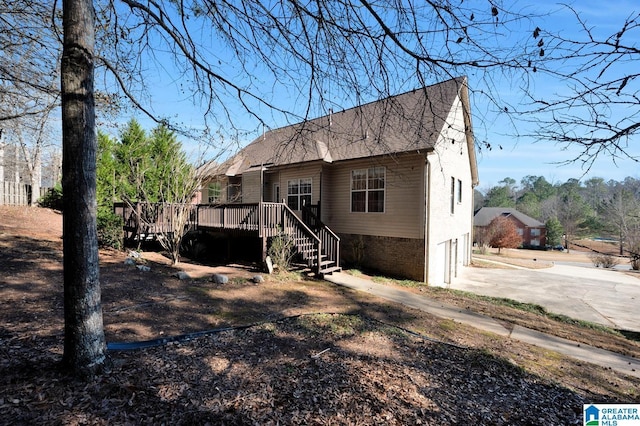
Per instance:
(299,195)
(367,190)
(453,196)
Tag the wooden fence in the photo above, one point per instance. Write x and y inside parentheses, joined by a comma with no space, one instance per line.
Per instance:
(17,194)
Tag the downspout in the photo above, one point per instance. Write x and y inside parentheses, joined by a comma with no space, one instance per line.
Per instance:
(427,216)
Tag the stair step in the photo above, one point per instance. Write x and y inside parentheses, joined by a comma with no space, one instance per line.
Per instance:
(329,271)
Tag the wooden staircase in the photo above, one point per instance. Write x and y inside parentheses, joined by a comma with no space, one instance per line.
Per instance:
(309,253)
(319,249)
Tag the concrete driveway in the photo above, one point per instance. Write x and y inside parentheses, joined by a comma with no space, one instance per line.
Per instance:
(607,297)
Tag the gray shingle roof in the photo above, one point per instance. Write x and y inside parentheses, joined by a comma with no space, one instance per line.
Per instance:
(404,123)
(485,215)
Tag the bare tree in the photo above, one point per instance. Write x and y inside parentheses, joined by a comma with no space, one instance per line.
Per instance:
(268,61)
(571,212)
(31,135)
(171,192)
(179,212)
(29,80)
(286,61)
(598,106)
(29,74)
(621,211)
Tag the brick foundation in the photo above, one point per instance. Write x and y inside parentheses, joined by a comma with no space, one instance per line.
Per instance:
(401,257)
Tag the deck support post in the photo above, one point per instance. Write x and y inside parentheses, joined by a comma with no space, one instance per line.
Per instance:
(263,240)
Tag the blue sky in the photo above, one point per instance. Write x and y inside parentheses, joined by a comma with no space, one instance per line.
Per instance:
(522,157)
(518,157)
(544,159)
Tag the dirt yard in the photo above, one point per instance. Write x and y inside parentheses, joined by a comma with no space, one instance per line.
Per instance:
(317,354)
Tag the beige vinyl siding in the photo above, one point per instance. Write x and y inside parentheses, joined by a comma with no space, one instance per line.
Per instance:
(313,171)
(270,178)
(251,186)
(403,214)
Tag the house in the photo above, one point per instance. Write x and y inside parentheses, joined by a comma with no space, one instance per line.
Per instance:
(392,180)
(532,231)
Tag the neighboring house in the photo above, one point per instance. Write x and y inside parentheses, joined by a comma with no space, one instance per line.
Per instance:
(393,179)
(532,231)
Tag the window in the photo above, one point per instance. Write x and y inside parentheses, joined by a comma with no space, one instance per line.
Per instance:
(214,192)
(367,190)
(453,195)
(459,191)
(535,232)
(298,193)
(234,189)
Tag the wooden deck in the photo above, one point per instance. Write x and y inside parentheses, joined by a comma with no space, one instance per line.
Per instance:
(319,247)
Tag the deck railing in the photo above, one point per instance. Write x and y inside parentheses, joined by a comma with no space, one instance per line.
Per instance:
(266,219)
(143,219)
(330,241)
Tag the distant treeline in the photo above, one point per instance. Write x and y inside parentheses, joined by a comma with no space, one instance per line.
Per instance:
(593,207)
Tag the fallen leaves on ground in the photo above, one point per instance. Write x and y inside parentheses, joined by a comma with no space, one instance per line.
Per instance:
(288,372)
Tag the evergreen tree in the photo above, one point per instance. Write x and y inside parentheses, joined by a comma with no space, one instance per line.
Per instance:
(133,156)
(152,171)
(499,196)
(106,190)
(529,204)
(554,232)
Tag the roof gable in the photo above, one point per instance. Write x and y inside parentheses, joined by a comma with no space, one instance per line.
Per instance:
(408,122)
(485,215)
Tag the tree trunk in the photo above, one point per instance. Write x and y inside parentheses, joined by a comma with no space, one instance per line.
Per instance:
(36,178)
(621,240)
(33,160)
(1,158)
(84,341)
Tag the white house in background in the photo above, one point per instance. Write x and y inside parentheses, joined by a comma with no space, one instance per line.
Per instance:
(393,179)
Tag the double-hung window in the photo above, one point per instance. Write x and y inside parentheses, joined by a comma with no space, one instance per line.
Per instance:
(298,193)
(214,193)
(367,190)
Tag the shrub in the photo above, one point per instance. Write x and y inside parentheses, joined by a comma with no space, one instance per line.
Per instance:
(281,251)
(603,260)
(110,232)
(52,199)
(634,251)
